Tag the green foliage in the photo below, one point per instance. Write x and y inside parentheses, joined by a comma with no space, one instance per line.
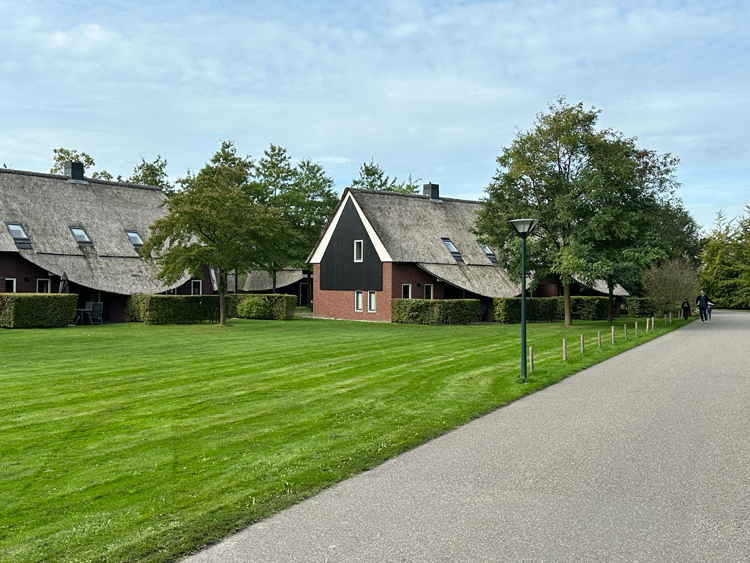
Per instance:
(215,221)
(372,177)
(435,311)
(667,285)
(725,276)
(549,309)
(153,174)
(62,155)
(267,307)
(596,195)
(37,310)
(639,307)
(173,309)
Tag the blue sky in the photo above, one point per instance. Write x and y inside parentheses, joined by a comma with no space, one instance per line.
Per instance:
(433,89)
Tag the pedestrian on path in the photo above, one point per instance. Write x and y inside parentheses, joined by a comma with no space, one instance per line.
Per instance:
(708,310)
(685,308)
(702,301)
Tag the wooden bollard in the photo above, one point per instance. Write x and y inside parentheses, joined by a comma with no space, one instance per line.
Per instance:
(665,320)
(565,350)
(582,349)
(531,358)
(670,317)
(625,331)
(613,334)
(636,329)
(599,337)
(653,321)
(647,325)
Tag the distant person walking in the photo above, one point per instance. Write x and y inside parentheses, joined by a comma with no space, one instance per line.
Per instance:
(708,310)
(702,301)
(685,308)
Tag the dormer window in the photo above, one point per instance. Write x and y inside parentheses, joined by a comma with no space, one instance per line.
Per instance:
(19,236)
(135,238)
(488,252)
(80,235)
(453,250)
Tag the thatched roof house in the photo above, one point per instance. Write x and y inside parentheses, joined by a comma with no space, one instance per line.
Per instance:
(382,245)
(88,230)
(289,281)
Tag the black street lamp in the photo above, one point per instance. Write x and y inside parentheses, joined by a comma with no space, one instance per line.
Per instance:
(523,227)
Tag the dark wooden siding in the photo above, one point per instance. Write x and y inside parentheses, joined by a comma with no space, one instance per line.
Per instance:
(338,270)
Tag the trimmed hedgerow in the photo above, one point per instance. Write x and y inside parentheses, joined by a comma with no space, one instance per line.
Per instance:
(37,310)
(172,309)
(268,306)
(191,309)
(639,307)
(435,311)
(549,309)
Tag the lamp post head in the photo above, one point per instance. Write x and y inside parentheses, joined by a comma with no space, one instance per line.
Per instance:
(523,226)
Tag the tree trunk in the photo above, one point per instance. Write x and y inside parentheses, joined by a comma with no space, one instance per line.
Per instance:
(611,304)
(566,304)
(273,276)
(222,298)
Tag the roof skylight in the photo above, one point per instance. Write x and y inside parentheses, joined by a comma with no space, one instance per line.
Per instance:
(19,235)
(488,252)
(453,250)
(80,235)
(135,238)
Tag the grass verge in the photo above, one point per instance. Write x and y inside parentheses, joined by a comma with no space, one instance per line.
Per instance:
(145,443)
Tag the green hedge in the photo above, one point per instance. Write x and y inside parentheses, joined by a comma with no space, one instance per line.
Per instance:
(37,310)
(191,309)
(639,307)
(549,309)
(267,306)
(435,311)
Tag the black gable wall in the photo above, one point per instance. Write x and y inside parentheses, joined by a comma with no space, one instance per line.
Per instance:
(338,270)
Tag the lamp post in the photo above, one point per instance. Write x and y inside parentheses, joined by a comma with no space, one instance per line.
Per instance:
(523,227)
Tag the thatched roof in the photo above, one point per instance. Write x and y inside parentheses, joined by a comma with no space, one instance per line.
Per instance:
(411,228)
(260,280)
(47,205)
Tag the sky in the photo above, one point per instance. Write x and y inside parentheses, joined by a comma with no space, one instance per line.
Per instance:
(433,89)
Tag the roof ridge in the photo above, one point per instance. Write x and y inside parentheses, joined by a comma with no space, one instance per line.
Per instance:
(401,194)
(90,180)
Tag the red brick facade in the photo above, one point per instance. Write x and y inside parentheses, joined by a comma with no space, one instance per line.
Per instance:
(334,304)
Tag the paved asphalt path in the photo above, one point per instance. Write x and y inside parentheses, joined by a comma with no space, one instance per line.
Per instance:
(644,457)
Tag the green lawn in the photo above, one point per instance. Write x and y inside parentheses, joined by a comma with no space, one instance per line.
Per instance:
(144,443)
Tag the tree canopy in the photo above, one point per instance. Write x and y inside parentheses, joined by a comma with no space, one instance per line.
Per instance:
(725,276)
(213,221)
(63,155)
(595,193)
(372,176)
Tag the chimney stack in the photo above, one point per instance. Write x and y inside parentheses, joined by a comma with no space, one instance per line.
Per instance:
(74,170)
(432,190)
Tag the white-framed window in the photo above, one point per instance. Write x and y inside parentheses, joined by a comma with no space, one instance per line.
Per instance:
(196,287)
(406,291)
(370,301)
(80,235)
(358,300)
(43,285)
(358,250)
(9,285)
(428,291)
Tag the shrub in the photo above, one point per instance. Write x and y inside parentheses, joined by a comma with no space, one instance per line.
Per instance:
(640,307)
(172,309)
(435,311)
(37,310)
(549,309)
(267,306)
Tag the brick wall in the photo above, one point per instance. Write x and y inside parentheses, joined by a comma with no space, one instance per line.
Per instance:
(411,274)
(12,265)
(335,304)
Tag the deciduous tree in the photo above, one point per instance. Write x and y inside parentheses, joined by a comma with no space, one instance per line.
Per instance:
(372,176)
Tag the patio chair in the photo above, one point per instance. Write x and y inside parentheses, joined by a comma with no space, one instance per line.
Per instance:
(95,315)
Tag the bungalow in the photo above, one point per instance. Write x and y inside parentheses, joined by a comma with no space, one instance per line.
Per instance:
(382,245)
(84,230)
